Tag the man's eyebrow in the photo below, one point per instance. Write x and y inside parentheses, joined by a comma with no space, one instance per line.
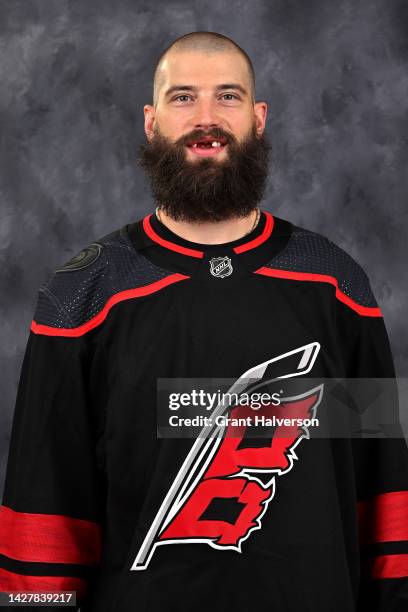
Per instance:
(236,86)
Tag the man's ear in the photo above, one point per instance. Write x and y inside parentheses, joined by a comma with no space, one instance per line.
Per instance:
(261,111)
(149,114)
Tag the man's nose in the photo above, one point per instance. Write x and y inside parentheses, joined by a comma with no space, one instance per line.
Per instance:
(206,116)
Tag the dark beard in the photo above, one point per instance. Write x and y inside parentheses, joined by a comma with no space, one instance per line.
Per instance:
(207,189)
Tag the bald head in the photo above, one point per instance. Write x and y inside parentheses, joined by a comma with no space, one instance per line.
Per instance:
(209,43)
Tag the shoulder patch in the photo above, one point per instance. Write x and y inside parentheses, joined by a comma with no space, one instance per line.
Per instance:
(110,266)
(83,259)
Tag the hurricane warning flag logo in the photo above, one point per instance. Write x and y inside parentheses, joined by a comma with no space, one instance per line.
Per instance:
(228,479)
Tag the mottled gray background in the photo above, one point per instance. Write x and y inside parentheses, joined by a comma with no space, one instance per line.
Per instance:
(75,76)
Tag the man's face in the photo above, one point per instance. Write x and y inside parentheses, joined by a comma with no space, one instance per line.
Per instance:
(191,178)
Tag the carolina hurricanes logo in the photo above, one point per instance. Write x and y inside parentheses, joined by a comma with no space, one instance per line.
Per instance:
(227,480)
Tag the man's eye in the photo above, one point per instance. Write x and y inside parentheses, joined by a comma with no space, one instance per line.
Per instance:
(186,96)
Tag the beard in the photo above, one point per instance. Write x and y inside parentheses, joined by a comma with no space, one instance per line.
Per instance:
(206,189)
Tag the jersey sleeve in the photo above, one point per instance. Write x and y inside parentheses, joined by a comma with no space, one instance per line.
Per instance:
(380,463)
(51,516)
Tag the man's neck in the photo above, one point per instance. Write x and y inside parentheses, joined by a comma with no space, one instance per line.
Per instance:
(210,232)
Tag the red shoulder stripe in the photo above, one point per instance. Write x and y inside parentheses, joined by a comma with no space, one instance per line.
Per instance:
(366,311)
(128,294)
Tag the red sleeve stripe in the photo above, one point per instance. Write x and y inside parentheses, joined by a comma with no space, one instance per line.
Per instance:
(390,566)
(266,232)
(173,246)
(9,581)
(128,294)
(366,311)
(384,518)
(49,538)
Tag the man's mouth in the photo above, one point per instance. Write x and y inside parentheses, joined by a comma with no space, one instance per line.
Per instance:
(207,146)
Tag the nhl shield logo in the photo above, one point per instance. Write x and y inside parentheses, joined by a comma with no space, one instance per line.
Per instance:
(220,266)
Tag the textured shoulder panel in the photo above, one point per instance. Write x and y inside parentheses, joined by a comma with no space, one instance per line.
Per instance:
(311,253)
(78,291)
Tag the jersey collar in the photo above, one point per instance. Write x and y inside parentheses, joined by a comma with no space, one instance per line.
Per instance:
(166,249)
(163,236)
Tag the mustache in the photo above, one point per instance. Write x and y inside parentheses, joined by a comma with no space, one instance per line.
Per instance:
(216,133)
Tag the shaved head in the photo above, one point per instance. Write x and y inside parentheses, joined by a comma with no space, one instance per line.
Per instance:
(203,42)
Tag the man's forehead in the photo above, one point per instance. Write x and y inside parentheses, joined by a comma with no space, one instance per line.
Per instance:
(203,69)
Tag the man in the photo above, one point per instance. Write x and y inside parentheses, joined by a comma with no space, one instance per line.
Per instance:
(104,496)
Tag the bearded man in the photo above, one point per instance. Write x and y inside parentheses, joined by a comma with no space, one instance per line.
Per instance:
(111,490)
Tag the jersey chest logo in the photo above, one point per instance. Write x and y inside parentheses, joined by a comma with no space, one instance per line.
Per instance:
(221,266)
(226,483)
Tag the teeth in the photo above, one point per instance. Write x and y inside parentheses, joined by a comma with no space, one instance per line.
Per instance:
(215,143)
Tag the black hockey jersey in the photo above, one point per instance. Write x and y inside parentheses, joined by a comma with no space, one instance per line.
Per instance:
(97,502)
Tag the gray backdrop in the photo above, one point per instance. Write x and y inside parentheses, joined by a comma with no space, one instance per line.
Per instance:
(75,76)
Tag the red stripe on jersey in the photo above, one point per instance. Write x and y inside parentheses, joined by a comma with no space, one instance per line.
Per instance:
(366,311)
(49,538)
(267,231)
(390,566)
(251,244)
(128,294)
(173,246)
(9,581)
(384,518)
